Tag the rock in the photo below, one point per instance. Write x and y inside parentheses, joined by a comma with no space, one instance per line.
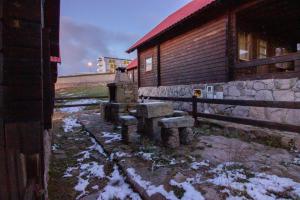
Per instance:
(186,136)
(176,122)
(240,111)
(264,95)
(285,84)
(170,137)
(179,113)
(259,85)
(233,91)
(154,109)
(283,95)
(276,114)
(293,116)
(128,120)
(257,113)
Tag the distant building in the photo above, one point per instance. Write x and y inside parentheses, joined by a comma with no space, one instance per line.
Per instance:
(132,70)
(109,65)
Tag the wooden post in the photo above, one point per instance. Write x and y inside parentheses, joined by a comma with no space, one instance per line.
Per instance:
(195,106)
(158,66)
(139,68)
(297,62)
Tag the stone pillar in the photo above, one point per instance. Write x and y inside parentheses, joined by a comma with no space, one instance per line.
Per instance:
(185,135)
(151,113)
(170,137)
(128,131)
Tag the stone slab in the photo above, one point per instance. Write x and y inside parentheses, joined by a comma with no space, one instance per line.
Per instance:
(176,122)
(128,120)
(154,109)
(179,113)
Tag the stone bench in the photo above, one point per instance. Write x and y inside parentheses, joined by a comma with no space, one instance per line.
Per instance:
(176,131)
(149,114)
(128,131)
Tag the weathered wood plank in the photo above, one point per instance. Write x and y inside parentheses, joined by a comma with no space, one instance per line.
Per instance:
(268,61)
(4,190)
(253,122)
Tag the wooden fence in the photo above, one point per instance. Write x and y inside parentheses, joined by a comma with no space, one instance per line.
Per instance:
(247,121)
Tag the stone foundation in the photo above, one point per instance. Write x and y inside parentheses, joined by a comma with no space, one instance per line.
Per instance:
(269,90)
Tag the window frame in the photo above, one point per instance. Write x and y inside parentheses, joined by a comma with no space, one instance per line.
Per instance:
(146,64)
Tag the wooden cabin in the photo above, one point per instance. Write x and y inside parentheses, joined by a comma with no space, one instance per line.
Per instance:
(132,70)
(29,52)
(211,41)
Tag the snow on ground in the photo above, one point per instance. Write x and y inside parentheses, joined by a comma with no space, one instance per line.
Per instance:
(111,137)
(118,188)
(198,165)
(119,155)
(149,188)
(55,147)
(69,124)
(256,185)
(77,109)
(145,156)
(190,192)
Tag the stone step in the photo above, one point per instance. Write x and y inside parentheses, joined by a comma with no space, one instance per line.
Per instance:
(269,137)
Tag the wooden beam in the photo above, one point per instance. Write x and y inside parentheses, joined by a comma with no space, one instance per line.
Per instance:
(267,61)
(254,103)
(253,122)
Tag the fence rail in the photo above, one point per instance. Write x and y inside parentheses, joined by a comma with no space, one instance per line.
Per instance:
(247,121)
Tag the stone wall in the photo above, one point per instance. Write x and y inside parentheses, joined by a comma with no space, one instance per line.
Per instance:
(84,80)
(271,90)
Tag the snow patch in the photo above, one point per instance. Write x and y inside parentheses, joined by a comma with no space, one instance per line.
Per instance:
(55,147)
(256,185)
(117,188)
(77,109)
(190,192)
(120,155)
(111,137)
(198,165)
(69,124)
(150,189)
(145,156)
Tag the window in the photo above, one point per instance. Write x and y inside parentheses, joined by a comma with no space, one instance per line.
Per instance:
(148,64)
(244,46)
(262,49)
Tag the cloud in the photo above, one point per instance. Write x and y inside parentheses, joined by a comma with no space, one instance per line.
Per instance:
(81,43)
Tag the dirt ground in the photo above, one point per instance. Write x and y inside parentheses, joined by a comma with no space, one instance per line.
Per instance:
(91,162)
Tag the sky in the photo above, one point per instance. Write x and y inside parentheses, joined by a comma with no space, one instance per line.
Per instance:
(94,28)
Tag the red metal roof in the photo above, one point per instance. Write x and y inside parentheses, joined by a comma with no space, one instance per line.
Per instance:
(132,65)
(173,19)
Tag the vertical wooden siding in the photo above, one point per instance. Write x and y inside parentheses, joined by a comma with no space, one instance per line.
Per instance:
(198,56)
(24,74)
(148,78)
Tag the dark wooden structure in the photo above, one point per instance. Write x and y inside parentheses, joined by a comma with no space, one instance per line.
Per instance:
(29,52)
(210,41)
